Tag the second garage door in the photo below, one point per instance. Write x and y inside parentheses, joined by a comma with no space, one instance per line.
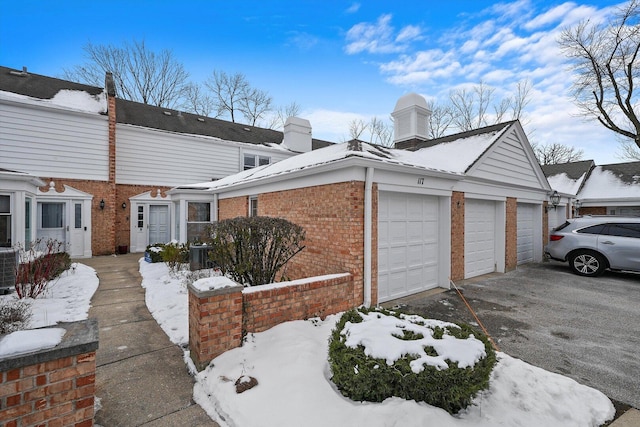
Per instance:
(479,237)
(408,228)
(525,232)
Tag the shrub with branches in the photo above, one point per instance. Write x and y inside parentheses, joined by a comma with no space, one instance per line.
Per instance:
(42,263)
(251,250)
(14,316)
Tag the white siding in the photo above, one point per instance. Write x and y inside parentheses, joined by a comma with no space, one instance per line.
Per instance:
(51,142)
(145,156)
(508,163)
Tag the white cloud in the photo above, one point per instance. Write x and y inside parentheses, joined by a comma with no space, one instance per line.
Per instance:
(379,37)
(353,8)
(408,33)
(552,15)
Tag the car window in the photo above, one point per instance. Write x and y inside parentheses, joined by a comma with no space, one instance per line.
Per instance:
(560,227)
(624,230)
(594,229)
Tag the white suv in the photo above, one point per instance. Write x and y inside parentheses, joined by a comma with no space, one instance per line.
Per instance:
(592,244)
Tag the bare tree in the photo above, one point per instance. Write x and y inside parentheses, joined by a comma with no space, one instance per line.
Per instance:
(356,128)
(440,119)
(197,100)
(628,151)
(228,90)
(139,74)
(470,107)
(554,153)
(605,62)
(280,116)
(254,104)
(375,131)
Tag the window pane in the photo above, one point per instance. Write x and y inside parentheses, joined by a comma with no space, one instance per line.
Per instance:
(594,229)
(624,230)
(5,204)
(27,222)
(263,161)
(249,161)
(253,206)
(78,215)
(52,215)
(199,212)
(140,216)
(5,230)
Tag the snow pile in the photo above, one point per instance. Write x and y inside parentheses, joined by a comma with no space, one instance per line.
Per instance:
(290,363)
(29,341)
(604,184)
(70,99)
(563,184)
(211,283)
(380,335)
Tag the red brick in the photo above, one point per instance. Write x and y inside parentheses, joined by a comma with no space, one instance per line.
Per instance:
(87,379)
(83,403)
(14,400)
(13,374)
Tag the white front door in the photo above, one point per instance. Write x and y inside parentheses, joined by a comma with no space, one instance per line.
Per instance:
(158,224)
(525,232)
(52,222)
(77,229)
(408,232)
(479,237)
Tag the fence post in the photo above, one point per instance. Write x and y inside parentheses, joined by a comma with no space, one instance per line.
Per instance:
(215,322)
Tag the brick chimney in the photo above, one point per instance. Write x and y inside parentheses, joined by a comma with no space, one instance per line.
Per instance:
(297,135)
(411,119)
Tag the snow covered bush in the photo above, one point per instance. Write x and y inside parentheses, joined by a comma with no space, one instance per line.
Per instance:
(376,354)
(14,316)
(252,250)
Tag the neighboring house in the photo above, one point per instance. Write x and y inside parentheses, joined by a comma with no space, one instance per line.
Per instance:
(567,179)
(83,167)
(597,190)
(400,220)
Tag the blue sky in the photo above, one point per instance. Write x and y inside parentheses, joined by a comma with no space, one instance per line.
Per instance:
(338,60)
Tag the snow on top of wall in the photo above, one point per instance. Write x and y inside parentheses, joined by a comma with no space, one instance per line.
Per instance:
(603,184)
(563,184)
(71,99)
(453,157)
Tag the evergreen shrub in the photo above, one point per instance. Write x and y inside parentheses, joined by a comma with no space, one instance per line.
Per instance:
(364,378)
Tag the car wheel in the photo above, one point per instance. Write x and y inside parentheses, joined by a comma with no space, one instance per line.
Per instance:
(587,263)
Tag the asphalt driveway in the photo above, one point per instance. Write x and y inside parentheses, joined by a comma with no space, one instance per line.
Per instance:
(585,328)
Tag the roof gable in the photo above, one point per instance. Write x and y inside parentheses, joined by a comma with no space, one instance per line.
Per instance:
(568,178)
(509,159)
(615,181)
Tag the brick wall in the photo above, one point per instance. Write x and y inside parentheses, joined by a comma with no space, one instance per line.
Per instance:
(333,219)
(511,235)
(219,317)
(457,235)
(266,308)
(593,210)
(215,323)
(54,387)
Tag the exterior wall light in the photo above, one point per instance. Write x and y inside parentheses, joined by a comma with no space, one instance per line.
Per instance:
(555,201)
(124,205)
(102,204)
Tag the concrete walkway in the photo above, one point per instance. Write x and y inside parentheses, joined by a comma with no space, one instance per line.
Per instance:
(141,377)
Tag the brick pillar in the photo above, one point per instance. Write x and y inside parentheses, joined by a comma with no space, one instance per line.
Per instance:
(457,235)
(215,323)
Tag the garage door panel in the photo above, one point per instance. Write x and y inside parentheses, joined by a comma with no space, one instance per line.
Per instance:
(525,243)
(408,254)
(479,237)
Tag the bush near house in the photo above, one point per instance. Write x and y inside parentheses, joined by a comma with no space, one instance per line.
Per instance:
(14,316)
(252,250)
(363,378)
(45,261)
(173,254)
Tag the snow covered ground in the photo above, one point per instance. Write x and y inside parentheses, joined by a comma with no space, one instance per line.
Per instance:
(290,363)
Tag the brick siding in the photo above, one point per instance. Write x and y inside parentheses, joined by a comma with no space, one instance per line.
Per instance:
(593,210)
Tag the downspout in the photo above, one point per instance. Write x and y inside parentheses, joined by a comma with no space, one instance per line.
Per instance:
(214,216)
(368,215)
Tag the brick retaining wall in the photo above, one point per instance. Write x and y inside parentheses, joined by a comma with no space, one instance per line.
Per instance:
(53,387)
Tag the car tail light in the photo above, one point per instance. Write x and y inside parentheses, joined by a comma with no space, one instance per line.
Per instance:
(555,237)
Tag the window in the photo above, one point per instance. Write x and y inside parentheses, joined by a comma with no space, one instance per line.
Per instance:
(198,220)
(624,230)
(594,229)
(27,222)
(52,215)
(253,206)
(253,160)
(77,216)
(5,221)
(140,216)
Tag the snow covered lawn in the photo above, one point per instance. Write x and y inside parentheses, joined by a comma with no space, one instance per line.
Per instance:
(290,363)
(66,299)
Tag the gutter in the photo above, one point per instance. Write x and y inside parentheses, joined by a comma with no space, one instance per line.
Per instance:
(368,215)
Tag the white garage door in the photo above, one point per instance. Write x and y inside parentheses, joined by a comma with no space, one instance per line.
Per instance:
(557,217)
(525,232)
(407,244)
(479,237)
(631,211)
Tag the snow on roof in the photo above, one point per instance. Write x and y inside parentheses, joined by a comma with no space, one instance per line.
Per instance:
(564,184)
(604,184)
(71,99)
(453,157)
